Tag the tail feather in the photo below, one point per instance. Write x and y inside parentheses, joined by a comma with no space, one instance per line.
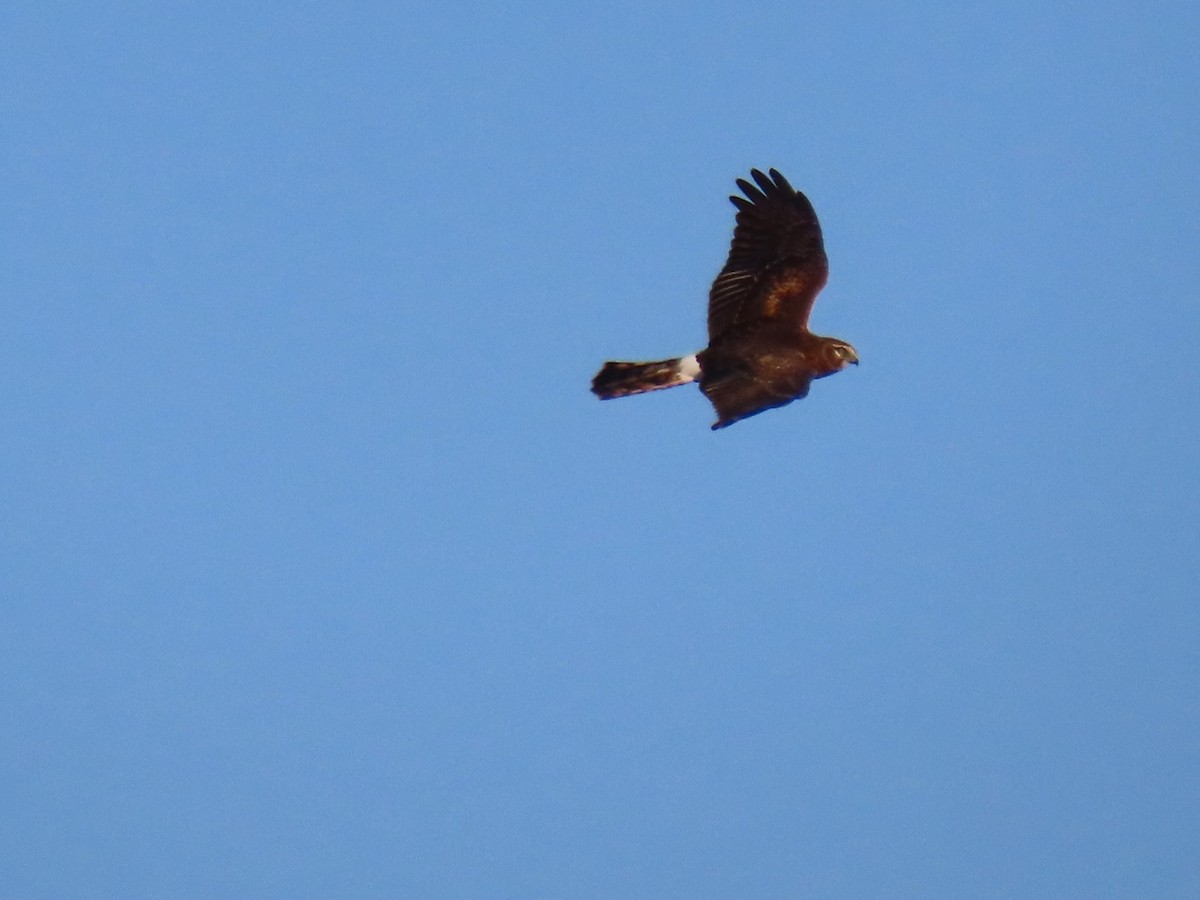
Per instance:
(620,379)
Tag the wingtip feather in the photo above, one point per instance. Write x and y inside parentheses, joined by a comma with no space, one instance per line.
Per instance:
(782,183)
(753,193)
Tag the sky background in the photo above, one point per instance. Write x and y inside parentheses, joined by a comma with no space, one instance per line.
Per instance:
(322,574)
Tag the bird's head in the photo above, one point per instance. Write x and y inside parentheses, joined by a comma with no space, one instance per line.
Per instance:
(839,354)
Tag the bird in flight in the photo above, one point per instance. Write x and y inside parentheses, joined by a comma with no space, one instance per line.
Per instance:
(760,353)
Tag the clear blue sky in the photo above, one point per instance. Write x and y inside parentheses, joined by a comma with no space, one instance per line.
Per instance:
(323,575)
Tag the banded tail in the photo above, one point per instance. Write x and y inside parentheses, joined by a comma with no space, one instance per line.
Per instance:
(620,379)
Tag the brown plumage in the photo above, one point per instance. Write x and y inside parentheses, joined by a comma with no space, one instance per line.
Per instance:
(760,353)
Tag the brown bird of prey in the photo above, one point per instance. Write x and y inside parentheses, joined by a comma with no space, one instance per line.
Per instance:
(760,353)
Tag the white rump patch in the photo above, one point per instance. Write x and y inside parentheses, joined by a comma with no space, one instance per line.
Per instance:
(689,367)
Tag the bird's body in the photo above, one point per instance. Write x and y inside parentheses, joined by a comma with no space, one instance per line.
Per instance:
(760,353)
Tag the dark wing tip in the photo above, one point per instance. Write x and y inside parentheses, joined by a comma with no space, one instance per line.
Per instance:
(782,183)
(752,193)
(764,182)
(772,185)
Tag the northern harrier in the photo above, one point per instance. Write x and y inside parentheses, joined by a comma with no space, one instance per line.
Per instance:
(760,352)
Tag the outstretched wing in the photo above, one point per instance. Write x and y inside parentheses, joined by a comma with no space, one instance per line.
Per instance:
(739,395)
(777,262)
